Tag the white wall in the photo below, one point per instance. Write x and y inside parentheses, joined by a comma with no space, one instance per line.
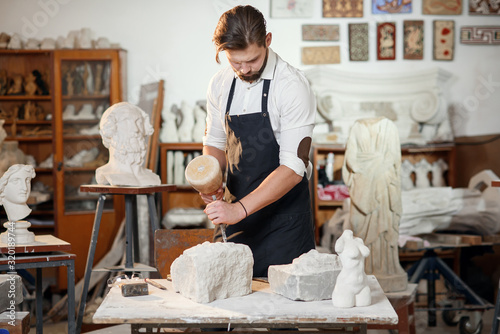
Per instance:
(171,39)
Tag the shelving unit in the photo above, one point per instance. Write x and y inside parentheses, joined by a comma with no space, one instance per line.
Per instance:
(74,78)
(185,196)
(324,210)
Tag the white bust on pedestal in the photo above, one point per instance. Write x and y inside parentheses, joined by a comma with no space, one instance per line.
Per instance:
(124,131)
(15,188)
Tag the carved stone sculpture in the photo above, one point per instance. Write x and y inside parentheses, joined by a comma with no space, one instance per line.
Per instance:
(16,87)
(124,131)
(311,276)
(48,44)
(15,187)
(199,124)
(10,154)
(15,42)
(169,128)
(422,169)
(407,169)
(185,131)
(30,86)
(438,169)
(352,287)
(372,171)
(212,271)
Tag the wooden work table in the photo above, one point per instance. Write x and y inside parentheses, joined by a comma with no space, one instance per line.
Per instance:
(260,309)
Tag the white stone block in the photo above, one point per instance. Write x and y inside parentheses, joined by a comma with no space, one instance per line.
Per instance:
(212,271)
(311,276)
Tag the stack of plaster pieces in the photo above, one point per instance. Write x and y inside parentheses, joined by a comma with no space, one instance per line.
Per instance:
(212,271)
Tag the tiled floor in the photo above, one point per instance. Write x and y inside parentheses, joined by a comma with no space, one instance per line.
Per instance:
(421,326)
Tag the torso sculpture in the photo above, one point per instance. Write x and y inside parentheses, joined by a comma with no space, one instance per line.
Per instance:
(371,170)
(124,130)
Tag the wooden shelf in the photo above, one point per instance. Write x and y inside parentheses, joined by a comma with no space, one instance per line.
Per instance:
(23,122)
(182,146)
(29,139)
(85,97)
(25,97)
(330,203)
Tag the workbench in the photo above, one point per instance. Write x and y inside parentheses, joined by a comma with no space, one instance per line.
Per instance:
(260,309)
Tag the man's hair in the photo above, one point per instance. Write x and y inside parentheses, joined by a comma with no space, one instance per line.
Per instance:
(108,124)
(13,170)
(238,28)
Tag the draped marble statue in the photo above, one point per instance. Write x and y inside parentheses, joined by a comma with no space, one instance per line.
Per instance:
(372,171)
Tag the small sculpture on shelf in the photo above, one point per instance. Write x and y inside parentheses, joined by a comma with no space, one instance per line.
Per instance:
(15,188)
(124,130)
(16,85)
(30,86)
(42,85)
(3,82)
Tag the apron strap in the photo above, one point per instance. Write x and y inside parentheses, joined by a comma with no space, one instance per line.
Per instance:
(230,97)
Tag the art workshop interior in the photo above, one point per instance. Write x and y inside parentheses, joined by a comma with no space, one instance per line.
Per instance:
(316,166)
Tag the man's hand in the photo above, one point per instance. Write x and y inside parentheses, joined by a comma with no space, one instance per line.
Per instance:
(220,212)
(208,198)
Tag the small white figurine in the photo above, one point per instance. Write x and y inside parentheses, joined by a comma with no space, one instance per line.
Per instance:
(438,169)
(185,131)
(124,131)
(407,169)
(422,169)
(15,188)
(352,287)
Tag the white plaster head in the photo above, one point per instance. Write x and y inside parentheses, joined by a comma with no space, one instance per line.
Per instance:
(15,188)
(124,129)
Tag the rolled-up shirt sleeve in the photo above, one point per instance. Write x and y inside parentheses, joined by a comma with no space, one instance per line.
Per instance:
(214,134)
(297,116)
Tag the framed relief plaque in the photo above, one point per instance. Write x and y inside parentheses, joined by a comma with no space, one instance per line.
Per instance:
(413,40)
(342,8)
(291,8)
(386,41)
(358,42)
(484,7)
(391,7)
(442,7)
(316,55)
(444,40)
(320,32)
(480,35)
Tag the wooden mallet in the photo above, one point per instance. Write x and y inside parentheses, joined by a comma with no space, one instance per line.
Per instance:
(204,174)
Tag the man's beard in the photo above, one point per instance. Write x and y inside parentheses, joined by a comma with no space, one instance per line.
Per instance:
(129,150)
(256,75)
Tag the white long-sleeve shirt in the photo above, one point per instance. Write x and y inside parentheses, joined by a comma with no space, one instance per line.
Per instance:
(291,108)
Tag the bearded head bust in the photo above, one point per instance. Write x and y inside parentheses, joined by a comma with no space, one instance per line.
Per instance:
(124,130)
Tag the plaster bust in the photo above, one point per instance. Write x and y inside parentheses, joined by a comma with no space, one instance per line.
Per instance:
(15,188)
(124,129)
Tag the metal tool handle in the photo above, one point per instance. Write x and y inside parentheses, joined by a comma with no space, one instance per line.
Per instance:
(222,226)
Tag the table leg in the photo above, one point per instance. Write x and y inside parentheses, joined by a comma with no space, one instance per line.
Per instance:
(90,261)
(71,296)
(129,209)
(39,301)
(153,217)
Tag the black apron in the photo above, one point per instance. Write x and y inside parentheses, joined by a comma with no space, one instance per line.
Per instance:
(283,230)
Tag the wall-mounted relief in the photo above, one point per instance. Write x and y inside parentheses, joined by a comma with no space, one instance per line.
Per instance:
(480,35)
(414,100)
(358,42)
(320,32)
(342,8)
(391,6)
(444,40)
(291,8)
(386,41)
(484,7)
(316,55)
(442,7)
(413,40)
